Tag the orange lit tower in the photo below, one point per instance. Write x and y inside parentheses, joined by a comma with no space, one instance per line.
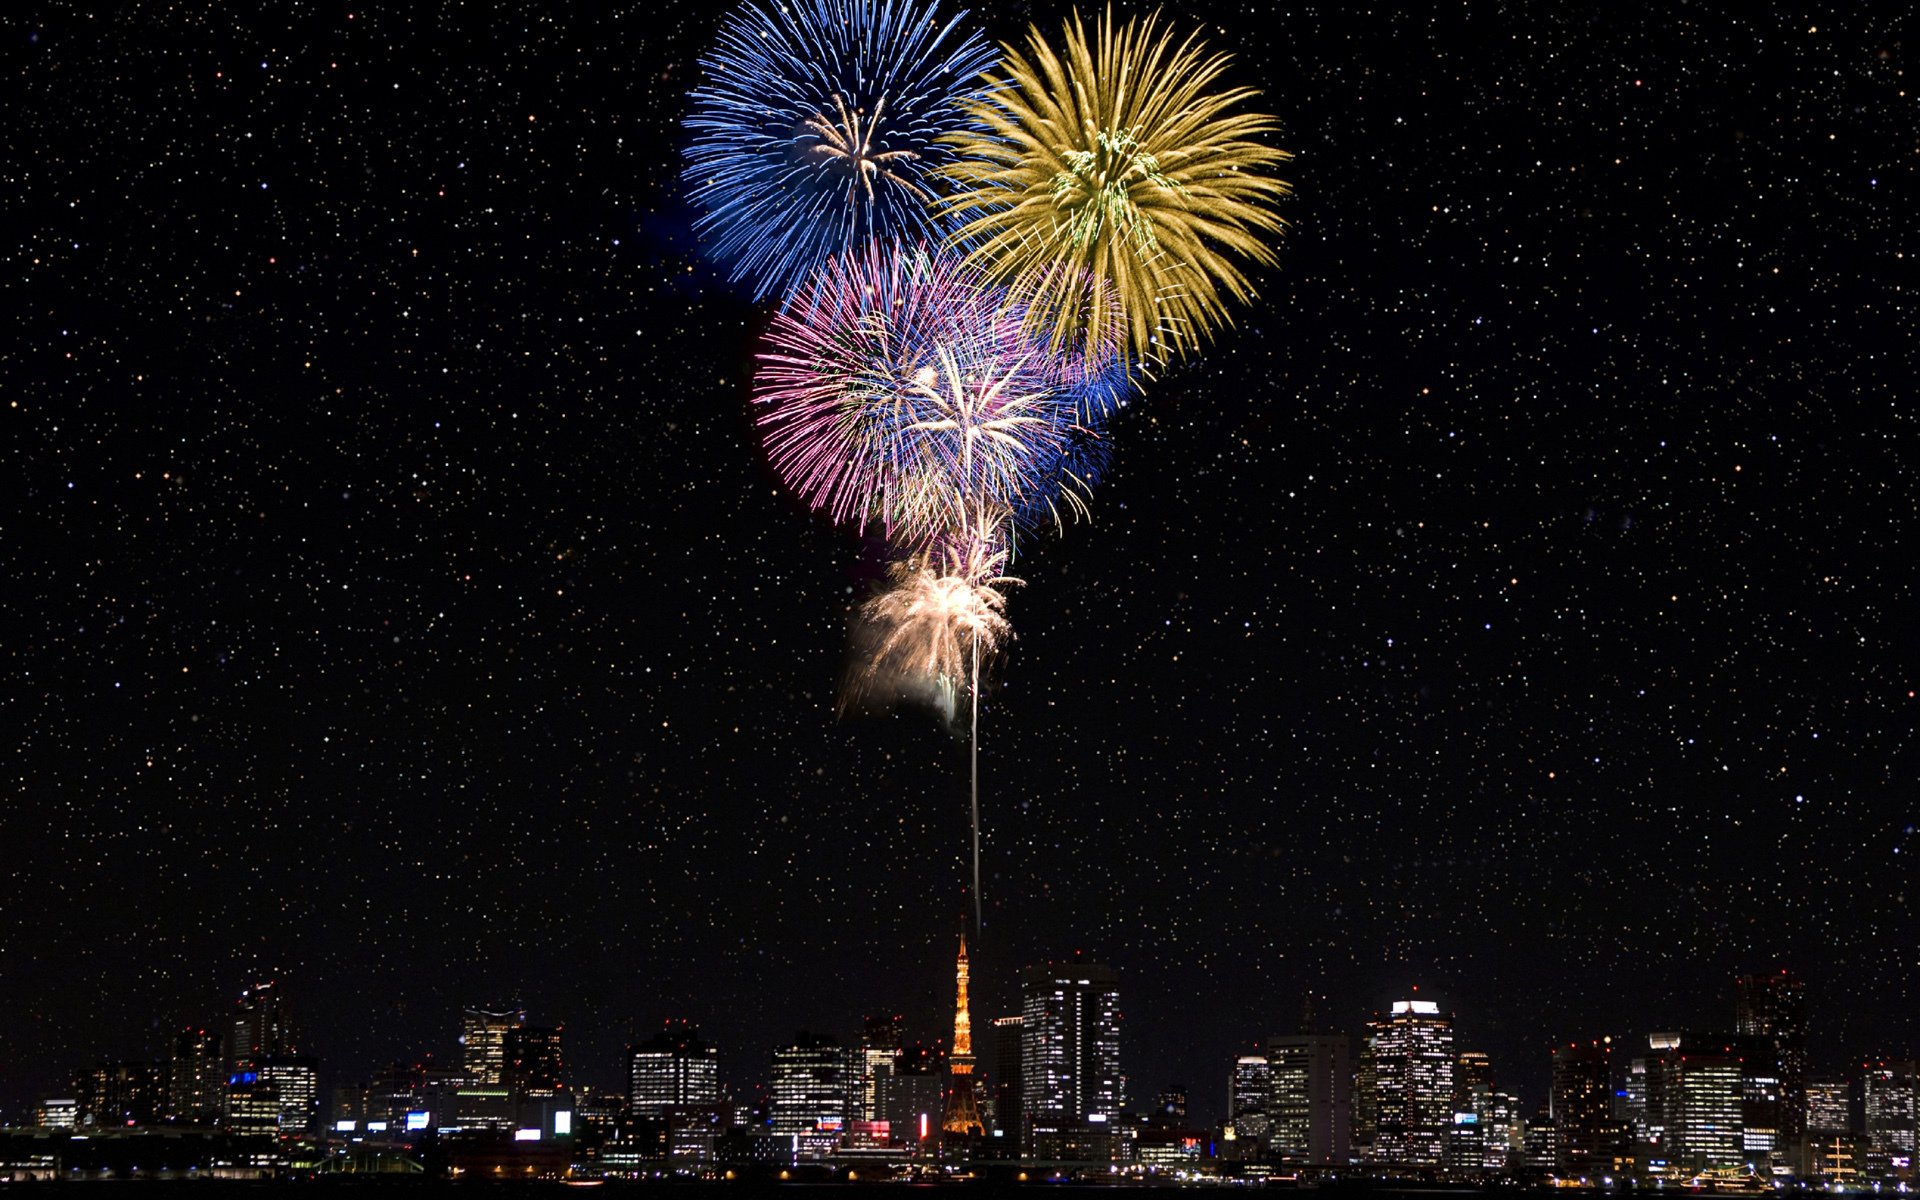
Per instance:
(963,1109)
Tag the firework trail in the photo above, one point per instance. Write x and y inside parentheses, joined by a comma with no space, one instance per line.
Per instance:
(820,126)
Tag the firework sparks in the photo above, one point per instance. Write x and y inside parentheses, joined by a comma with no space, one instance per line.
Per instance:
(818,127)
(1120,159)
(897,388)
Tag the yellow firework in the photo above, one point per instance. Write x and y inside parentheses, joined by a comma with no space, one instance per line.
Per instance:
(1123,158)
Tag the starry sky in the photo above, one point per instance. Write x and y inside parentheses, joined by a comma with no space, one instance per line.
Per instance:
(1517,603)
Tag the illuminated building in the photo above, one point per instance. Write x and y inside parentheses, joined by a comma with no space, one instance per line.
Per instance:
(262,1026)
(250,1105)
(1006,1082)
(1830,1137)
(912,1099)
(1773,1006)
(809,1086)
(533,1064)
(963,1102)
(196,1076)
(879,1052)
(1310,1098)
(1072,1090)
(293,1084)
(1694,1105)
(1247,1088)
(672,1070)
(1411,1046)
(118,1094)
(1829,1108)
(1583,1109)
(483,1043)
(62,1113)
(1888,1103)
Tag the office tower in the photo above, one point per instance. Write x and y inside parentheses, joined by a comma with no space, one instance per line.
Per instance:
(1247,1087)
(118,1094)
(196,1076)
(879,1052)
(1888,1117)
(809,1086)
(483,1043)
(1694,1104)
(57,1113)
(1071,1084)
(291,1083)
(1583,1109)
(1170,1106)
(1413,1059)
(1773,1005)
(261,1026)
(1310,1098)
(673,1069)
(532,1064)
(913,1098)
(1829,1125)
(1763,1115)
(963,1104)
(1007,1101)
(1472,1071)
(1502,1130)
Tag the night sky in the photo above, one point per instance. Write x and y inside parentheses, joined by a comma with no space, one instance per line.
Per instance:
(1517,603)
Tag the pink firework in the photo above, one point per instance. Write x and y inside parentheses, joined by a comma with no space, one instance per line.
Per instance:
(899,388)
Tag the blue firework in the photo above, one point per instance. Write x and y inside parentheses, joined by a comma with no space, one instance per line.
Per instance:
(817,129)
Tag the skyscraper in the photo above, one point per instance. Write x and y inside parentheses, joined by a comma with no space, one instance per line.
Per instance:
(1071,1085)
(1006,1076)
(1773,1005)
(532,1061)
(262,1025)
(1310,1098)
(963,1103)
(1694,1108)
(879,1056)
(1413,1060)
(1583,1109)
(674,1069)
(483,1043)
(1889,1116)
(1248,1085)
(195,1078)
(809,1087)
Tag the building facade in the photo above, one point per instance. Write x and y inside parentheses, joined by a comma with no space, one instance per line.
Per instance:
(1072,1089)
(1411,1046)
(1310,1089)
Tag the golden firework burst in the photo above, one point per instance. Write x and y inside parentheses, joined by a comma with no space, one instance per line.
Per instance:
(1123,160)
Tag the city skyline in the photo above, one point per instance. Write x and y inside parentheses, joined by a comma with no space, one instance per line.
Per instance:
(480,1047)
(1513,601)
